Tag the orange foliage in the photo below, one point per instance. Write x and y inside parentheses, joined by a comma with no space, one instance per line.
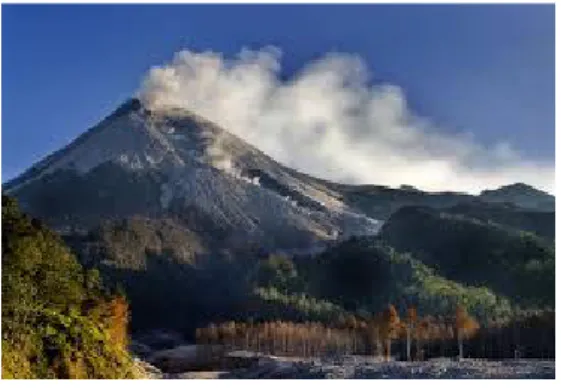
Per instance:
(465,324)
(348,336)
(118,321)
(389,323)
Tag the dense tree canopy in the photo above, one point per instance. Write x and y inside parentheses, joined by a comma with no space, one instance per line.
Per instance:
(58,321)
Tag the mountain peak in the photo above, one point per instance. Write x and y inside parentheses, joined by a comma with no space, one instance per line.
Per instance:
(517,188)
(159,164)
(522,195)
(131,105)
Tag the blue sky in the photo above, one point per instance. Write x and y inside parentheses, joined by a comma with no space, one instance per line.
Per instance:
(484,69)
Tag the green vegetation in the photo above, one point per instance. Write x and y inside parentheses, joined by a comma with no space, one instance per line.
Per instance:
(171,274)
(298,307)
(359,277)
(364,274)
(541,223)
(515,264)
(58,321)
(433,259)
(178,272)
(521,195)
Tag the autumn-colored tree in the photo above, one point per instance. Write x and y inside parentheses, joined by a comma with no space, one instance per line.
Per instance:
(277,337)
(421,335)
(389,326)
(352,324)
(411,321)
(118,321)
(465,326)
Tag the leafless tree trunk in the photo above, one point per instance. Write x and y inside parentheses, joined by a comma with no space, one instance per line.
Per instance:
(388,348)
(408,342)
(460,345)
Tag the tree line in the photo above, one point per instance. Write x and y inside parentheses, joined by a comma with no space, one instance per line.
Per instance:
(350,336)
(387,334)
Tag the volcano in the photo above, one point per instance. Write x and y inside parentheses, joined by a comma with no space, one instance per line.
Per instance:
(138,163)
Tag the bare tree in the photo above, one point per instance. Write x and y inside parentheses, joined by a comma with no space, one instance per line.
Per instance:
(411,321)
(389,327)
(465,326)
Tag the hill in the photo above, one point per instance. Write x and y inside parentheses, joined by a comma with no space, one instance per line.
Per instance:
(512,263)
(522,195)
(58,321)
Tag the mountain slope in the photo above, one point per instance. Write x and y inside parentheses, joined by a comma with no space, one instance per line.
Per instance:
(521,195)
(509,216)
(365,273)
(512,263)
(137,163)
(381,201)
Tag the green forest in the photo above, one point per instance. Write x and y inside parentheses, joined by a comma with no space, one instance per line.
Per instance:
(58,320)
(429,279)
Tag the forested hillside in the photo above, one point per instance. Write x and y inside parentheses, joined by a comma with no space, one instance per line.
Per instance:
(58,320)
(173,279)
(56,312)
(512,263)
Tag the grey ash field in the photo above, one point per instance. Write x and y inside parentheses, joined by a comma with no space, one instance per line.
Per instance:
(364,367)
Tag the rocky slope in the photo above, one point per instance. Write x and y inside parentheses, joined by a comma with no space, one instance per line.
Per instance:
(137,163)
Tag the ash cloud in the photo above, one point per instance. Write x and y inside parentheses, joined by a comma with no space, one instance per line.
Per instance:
(329,121)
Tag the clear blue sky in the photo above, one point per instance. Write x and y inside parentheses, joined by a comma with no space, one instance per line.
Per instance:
(483,68)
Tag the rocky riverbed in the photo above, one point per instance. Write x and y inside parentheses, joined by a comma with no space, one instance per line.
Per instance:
(364,369)
(166,356)
(351,367)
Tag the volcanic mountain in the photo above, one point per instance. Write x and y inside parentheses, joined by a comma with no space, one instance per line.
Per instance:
(138,163)
(191,219)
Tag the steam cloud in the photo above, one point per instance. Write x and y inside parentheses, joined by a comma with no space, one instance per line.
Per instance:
(329,122)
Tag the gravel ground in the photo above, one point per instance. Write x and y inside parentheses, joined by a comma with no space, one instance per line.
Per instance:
(364,368)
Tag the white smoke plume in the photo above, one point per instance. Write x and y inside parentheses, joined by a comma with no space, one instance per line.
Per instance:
(329,122)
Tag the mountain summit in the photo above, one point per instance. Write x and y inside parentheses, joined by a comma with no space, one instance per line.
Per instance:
(140,163)
(521,195)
